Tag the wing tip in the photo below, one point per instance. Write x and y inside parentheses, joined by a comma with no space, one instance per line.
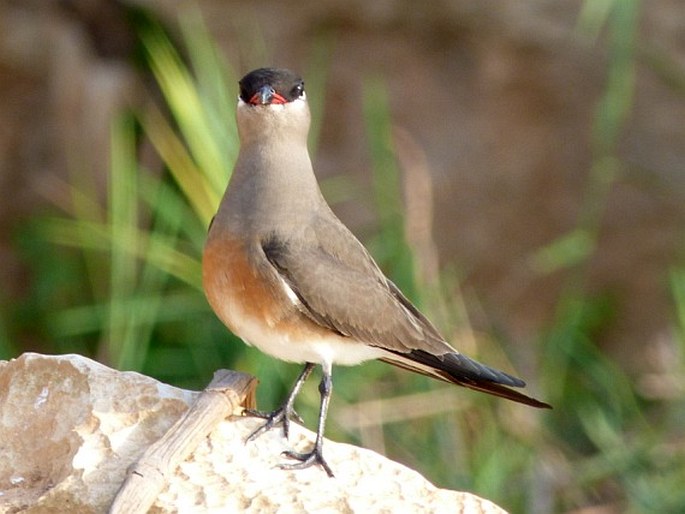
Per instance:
(476,370)
(464,371)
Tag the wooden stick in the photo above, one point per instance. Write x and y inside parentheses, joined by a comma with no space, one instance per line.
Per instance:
(226,393)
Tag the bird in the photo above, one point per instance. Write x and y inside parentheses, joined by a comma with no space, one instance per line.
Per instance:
(285,275)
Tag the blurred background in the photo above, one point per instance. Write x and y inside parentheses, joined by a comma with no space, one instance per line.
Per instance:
(518,168)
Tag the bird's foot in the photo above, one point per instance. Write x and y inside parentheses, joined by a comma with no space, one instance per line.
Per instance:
(282,415)
(307,459)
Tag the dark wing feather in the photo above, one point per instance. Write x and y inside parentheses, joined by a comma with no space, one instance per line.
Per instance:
(456,368)
(340,287)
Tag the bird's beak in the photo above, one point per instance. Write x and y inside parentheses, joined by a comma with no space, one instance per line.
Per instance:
(266,95)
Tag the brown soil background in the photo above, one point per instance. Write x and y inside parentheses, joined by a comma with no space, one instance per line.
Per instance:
(499,97)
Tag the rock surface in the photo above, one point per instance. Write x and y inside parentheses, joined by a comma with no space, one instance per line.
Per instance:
(70,427)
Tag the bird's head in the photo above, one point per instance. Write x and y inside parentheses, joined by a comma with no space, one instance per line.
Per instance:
(272,102)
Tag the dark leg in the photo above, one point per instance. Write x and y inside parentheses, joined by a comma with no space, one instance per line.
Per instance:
(316,455)
(285,411)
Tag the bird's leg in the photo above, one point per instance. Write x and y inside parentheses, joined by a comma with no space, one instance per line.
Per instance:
(285,412)
(316,455)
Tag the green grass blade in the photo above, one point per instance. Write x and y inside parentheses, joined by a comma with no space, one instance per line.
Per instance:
(123,223)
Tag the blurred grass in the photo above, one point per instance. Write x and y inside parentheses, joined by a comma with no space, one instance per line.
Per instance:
(606,427)
(124,284)
(7,348)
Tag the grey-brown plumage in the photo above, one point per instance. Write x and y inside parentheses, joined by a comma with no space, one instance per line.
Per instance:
(287,276)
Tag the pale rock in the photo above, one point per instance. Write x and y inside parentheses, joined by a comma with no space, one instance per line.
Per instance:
(70,427)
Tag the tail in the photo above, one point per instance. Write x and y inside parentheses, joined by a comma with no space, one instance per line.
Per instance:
(458,369)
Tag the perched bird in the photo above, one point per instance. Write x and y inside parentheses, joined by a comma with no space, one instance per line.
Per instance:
(285,275)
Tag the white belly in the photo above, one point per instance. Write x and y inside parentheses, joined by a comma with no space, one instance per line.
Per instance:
(327,350)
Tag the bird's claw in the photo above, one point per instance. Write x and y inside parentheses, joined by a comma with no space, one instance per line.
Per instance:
(306,460)
(281,415)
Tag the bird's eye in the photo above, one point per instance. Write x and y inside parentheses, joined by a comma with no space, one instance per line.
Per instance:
(298,90)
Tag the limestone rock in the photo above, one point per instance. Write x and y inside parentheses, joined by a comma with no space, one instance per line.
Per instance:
(70,427)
